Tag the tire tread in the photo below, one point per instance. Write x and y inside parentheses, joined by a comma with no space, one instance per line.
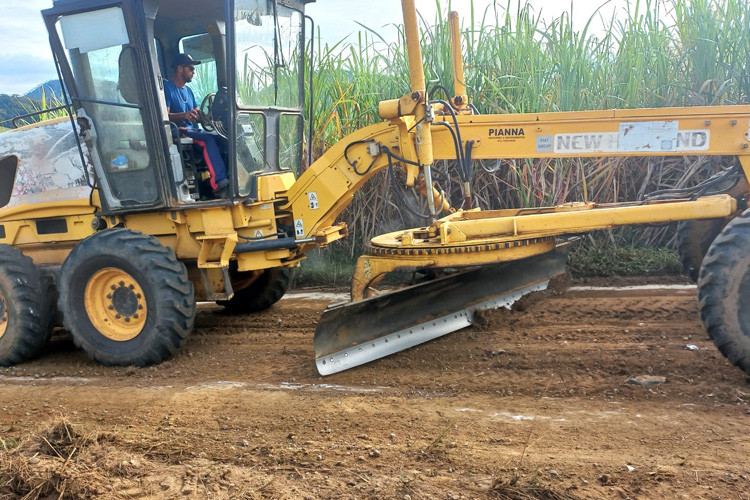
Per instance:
(31,296)
(727,260)
(174,298)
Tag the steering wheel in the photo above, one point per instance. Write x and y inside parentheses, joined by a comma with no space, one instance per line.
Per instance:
(205,113)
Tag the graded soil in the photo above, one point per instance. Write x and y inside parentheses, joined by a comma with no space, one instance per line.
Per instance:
(533,403)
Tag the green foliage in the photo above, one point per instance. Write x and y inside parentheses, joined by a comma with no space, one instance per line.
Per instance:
(9,443)
(600,259)
(12,106)
(329,267)
(595,257)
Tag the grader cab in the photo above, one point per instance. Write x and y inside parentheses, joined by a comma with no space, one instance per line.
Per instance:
(130,230)
(131,236)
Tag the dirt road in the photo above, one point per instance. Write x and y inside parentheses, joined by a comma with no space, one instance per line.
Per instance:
(532,403)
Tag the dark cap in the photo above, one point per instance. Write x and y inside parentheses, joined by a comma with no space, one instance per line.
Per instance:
(184,60)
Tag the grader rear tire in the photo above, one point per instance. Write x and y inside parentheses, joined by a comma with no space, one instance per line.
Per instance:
(126,299)
(694,237)
(25,308)
(724,291)
(261,294)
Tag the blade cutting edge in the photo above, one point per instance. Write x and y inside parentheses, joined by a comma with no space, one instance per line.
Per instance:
(355,333)
(418,334)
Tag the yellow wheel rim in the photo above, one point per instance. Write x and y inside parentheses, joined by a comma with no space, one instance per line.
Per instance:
(116,304)
(3,316)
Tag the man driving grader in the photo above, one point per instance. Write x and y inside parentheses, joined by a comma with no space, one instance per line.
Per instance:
(125,263)
(183,111)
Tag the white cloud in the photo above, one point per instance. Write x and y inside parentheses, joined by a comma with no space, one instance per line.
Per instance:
(25,57)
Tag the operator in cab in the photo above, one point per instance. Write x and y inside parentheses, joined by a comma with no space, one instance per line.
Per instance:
(184,112)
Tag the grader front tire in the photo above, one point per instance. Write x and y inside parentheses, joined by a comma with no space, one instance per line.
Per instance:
(724,291)
(261,294)
(694,238)
(126,299)
(25,309)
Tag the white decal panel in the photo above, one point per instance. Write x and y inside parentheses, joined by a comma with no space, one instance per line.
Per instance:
(299,227)
(635,137)
(648,136)
(596,142)
(660,136)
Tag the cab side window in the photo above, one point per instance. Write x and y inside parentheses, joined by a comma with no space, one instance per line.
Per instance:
(201,47)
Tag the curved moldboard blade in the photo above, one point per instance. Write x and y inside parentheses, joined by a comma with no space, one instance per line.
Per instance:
(355,333)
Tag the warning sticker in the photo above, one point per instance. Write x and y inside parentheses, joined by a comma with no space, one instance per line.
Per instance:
(299,227)
(258,233)
(312,198)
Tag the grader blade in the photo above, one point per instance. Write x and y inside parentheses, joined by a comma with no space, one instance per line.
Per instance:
(354,333)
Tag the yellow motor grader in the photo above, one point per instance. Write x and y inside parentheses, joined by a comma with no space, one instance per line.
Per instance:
(107,222)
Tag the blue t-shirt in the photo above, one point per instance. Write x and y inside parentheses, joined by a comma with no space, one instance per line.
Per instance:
(179,100)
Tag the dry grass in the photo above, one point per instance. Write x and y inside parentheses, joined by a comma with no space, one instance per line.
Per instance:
(64,461)
(511,490)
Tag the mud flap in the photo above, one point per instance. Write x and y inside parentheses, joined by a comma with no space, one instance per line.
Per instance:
(354,333)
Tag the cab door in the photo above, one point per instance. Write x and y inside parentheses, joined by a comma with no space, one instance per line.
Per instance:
(102,50)
(265,50)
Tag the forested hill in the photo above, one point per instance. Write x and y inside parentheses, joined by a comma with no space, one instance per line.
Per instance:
(15,105)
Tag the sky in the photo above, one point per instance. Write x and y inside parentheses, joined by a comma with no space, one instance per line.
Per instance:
(26,61)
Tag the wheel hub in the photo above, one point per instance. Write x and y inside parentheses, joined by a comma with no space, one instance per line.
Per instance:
(125,301)
(3,316)
(115,304)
